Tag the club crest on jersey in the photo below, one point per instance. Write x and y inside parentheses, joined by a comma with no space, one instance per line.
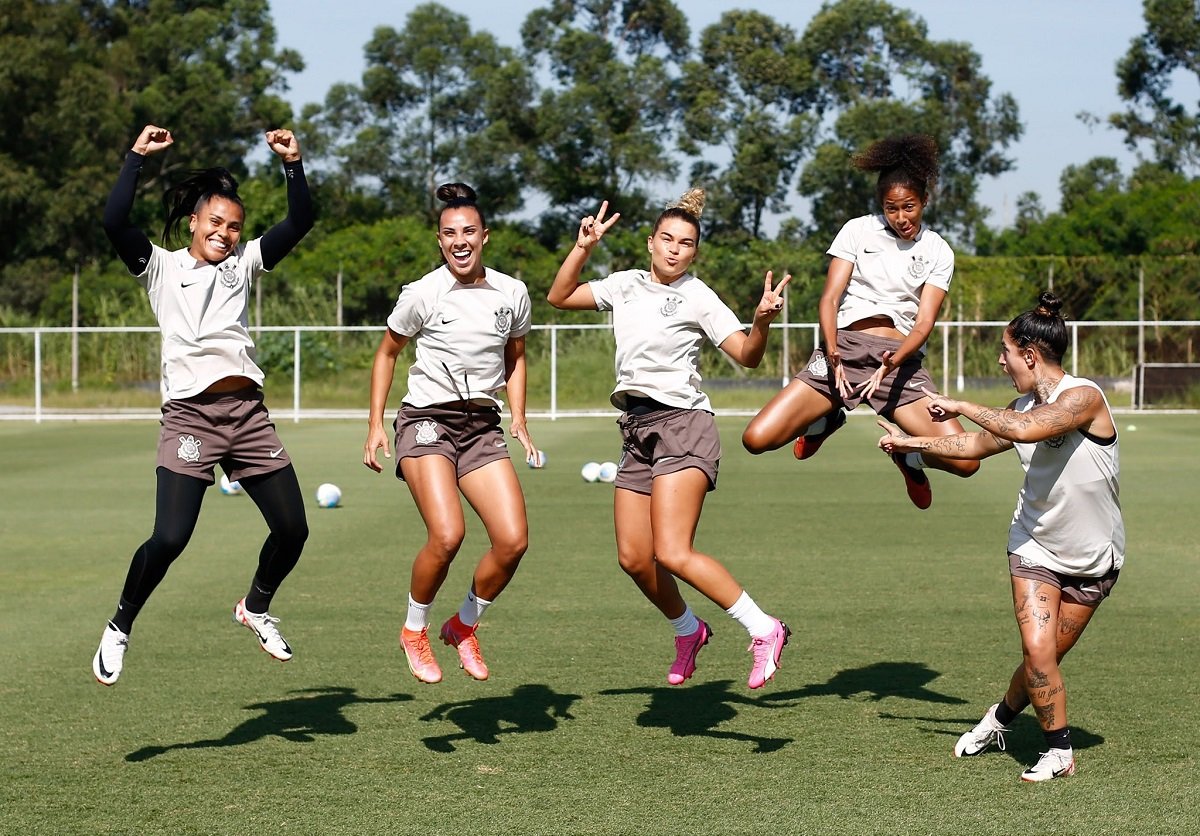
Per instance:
(671,306)
(189,448)
(918,267)
(228,274)
(817,365)
(1056,442)
(504,318)
(427,432)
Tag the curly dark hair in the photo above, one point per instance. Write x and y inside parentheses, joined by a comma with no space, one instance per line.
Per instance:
(910,161)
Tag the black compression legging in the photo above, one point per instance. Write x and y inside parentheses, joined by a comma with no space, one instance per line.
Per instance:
(177,507)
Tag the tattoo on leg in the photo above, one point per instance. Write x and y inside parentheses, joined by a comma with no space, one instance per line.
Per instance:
(1036,678)
(1045,715)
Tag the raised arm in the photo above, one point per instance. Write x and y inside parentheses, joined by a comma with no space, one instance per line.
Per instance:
(279,240)
(748,349)
(1078,408)
(131,243)
(973,446)
(566,293)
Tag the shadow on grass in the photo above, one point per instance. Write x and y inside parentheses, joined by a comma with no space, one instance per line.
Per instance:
(696,711)
(530,708)
(1023,741)
(298,719)
(877,681)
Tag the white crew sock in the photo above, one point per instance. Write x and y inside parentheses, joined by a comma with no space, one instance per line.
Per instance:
(687,624)
(757,623)
(418,615)
(472,609)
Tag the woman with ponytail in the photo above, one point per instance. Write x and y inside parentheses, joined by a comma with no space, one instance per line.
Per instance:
(886,282)
(213,410)
(468,323)
(1066,543)
(671,449)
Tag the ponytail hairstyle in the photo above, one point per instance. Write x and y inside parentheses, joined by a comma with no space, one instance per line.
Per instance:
(688,208)
(1043,328)
(910,161)
(188,197)
(457,196)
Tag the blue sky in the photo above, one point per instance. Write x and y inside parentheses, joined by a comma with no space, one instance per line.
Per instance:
(1056,58)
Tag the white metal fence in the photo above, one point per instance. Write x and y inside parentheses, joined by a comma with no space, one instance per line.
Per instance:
(947,348)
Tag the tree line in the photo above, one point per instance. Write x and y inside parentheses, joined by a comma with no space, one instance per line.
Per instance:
(601,99)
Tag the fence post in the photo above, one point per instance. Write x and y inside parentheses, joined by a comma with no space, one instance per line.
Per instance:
(37,375)
(554,372)
(961,381)
(296,376)
(945,356)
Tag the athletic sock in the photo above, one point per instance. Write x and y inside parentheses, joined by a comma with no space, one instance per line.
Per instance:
(123,618)
(1058,739)
(1005,715)
(914,461)
(472,609)
(258,600)
(418,615)
(757,623)
(687,624)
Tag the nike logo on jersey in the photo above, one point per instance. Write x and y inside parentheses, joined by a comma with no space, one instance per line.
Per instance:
(275,453)
(448,321)
(871,251)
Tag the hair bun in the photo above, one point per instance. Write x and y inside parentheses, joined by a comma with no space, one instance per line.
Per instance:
(692,202)
(448,192)
(1049,304)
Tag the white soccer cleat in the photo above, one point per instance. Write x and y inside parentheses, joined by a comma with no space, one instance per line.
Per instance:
(978,739)
(264,629)
(110,655)
(1057,763)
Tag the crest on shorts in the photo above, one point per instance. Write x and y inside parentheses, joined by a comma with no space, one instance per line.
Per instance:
(504,318)
(817,365)
(671,306)
(427,432)
(918,267)
(227,273)
(189,448)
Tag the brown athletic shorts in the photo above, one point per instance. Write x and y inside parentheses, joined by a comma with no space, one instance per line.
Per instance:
(667,441)
(862,355)
(1088,592)
(468,435)
(232,429)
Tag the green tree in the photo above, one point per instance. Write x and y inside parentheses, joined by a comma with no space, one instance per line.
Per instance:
(879,74)
(437,102)
(1170,45)
(604,120)
(747,94)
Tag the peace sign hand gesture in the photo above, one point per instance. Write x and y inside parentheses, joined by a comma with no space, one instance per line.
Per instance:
(772,300)
(593,227)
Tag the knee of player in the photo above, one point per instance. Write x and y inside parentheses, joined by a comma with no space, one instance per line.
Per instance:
(445,543)
(753,441)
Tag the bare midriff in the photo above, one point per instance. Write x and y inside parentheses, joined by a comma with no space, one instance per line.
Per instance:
(230,384)
(879,326)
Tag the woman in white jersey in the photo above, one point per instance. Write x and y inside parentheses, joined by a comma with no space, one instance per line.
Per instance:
(213,410)
(468,323)
(1066,544)
(886,282)
(671,452)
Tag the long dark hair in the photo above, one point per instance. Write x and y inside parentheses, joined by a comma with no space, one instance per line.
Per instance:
(910,161)
(1042,327)
(188,196)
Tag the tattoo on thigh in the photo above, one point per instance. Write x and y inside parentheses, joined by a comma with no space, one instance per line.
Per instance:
(1068,626)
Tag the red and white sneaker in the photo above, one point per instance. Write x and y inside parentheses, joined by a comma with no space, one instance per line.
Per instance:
(462,638)
(806,446)
(262,625)
(767,651)
(686,650)
(915,482)
(419,655)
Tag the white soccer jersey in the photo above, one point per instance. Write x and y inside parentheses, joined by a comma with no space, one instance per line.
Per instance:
(1068,516)
(889,272)
(459,332)
(202,311)
(660,329)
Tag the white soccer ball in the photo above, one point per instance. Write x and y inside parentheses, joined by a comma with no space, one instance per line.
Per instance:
(229,488)
(328,495)
(538,460)
(608,472)
(590,472)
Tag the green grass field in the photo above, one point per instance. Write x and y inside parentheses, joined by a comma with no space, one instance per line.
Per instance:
(903,635)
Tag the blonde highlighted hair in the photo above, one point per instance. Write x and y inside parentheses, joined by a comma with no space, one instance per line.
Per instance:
(689,207)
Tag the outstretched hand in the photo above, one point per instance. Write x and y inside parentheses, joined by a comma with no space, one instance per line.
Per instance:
(593,227)
(283,143)
(894,440)
(151,140)
(940,407)
(772,299)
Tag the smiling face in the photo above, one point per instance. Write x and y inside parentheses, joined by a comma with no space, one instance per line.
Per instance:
(903,208)
(216,228)
(461,237)
(672,249)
